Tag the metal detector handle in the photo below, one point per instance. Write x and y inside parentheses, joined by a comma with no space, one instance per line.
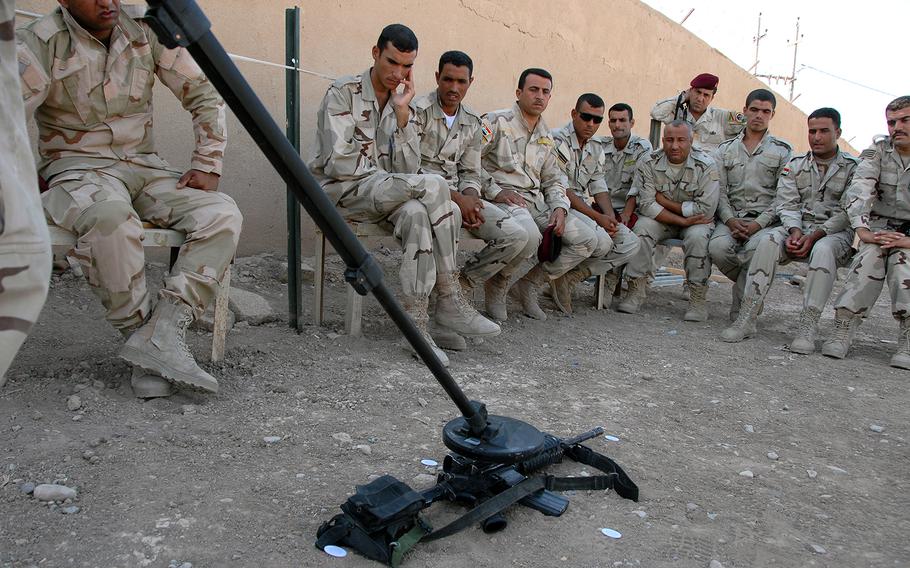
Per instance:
(183,23)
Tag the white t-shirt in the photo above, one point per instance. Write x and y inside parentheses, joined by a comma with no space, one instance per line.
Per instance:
(450,120)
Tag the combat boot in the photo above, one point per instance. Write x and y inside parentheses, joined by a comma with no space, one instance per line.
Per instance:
(806,331)
(901,359)
(495,290)
(525,292)
(561,289)
(744,326)
(611,279)
(145,384)
(839,344)
(160,347)
(416,307)
(635,295)
(148,385)
(448,339)
(697,311)
(737,296)
(456,313)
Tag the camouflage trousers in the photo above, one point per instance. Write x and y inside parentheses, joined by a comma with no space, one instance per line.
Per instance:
(507,244)
(871,267)
(651,233)
(611,252)
(582,239)
(827,255)
(105,207)
(420,209)
(733,256)
(24,278)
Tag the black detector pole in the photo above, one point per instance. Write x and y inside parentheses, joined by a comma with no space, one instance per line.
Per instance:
(181,23)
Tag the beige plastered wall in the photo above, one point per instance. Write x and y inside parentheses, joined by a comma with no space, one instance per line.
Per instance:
(620,49)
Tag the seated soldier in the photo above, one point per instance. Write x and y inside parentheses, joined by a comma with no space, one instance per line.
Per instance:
(450,146)
(87,72)
(815,227)
(677,199)
(749,166)
(367,159)
(581,156)
(878,206)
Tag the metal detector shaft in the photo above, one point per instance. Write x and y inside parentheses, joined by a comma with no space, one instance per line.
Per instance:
(182,23)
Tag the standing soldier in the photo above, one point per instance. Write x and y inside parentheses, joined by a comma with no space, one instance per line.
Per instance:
(711,125)
(581,157)
(677,198)
(450,146)
(878,205)
(749,166)
(25,253)
(87,72)
(815,226)
(367,159)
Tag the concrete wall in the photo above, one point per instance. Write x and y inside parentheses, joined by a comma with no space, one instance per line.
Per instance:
(623,50)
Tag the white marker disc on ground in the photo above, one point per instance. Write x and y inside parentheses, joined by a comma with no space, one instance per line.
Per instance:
(611,533)
(611,438)
(335,551)
(429,463)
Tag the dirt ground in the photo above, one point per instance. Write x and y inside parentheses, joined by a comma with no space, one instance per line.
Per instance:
(190,479)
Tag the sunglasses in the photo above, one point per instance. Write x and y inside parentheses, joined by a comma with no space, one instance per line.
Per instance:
(588,117)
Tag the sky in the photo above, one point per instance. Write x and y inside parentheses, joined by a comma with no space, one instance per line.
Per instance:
(856,41)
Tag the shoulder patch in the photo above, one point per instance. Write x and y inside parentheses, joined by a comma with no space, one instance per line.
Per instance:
(736,117)
(868,153)
(346,80)
(545,141)
(485,131)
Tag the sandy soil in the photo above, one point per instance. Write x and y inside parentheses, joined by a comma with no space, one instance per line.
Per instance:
(190,480)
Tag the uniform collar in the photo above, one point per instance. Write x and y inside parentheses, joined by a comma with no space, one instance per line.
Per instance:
(541,125)
(437,112)
(765,140)
(126,29)
(663,163)
(367,92)
(568,132)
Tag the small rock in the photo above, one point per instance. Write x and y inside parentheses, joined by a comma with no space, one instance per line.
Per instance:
(424,479)
(747,473)
(98,384)
(715,564)
(37,416)
(817,549)
(773,456)
(691,507)
(422,401)
(785,407)
(53,492)
(836,469)
(73,402)
(16,428)
(250,307)
(88,454)
(851,389)
(364,449)
(332,335)
(271,439)
(641,514)
(188,409)
(27,488)
(77,418)
(342,437)
(812,473)
(70,510)
(712,516)
(749,429)
(877,428)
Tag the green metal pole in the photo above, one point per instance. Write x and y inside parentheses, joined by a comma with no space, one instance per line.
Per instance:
(292,109)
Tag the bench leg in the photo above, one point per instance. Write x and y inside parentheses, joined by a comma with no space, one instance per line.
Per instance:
(219,332)
(353,314)
(599,292)
(318,277)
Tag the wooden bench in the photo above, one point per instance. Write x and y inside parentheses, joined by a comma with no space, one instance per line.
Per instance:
(155,237)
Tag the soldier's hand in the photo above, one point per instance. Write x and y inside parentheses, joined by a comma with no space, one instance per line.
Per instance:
(625,217)
(195,179)
(609,224)
(750,228)
(402,100)
(738,229)
(510,197)
(792,242)
(470,207)
(878,237)
(895,240)
(700,219)
(558,221)
(803,247)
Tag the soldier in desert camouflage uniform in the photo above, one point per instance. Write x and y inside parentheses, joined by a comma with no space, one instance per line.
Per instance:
(581,156)
(25,254)
(749,166)
(710,125)
(87,71)
(450,146)
(677,198)
(878,206)
(367,159)
(815,226)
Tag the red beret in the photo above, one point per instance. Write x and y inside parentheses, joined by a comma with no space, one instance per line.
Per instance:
(704,81)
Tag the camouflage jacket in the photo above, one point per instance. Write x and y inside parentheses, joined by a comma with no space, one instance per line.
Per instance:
(583,166)
(806,201)
(453,153)
(356,139)
(621,166)
(697,190)
(93,104)
(748,182)
(711,128)
(517,158)
(879,195)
